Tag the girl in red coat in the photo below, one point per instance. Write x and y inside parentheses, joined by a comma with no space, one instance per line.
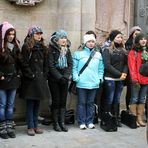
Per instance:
(137,56)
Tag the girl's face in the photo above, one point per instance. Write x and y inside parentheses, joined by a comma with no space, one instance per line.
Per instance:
(11,36)
(90,44)
(136,33)
(118,39)
(62,41)
(143,42)
(37,36)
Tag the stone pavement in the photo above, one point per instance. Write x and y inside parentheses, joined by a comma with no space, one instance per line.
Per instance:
(76,138)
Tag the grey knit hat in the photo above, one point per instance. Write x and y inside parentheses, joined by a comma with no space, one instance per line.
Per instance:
(133,29)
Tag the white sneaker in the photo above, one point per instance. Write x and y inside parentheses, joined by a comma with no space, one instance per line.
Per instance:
(82,126)
(91,126)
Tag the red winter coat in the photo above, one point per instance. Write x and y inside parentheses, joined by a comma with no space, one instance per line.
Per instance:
(134,62)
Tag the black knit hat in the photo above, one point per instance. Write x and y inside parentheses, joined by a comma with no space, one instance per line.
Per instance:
(139,37)
(113,34)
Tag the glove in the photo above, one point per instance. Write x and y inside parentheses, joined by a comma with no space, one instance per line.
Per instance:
(63,80)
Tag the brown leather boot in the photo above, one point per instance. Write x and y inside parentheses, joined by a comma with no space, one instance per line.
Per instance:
(140,113)
(133,110)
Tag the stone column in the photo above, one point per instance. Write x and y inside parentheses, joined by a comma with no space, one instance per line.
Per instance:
(69,19)
(88,11)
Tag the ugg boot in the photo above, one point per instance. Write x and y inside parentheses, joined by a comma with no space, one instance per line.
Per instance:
(62,120)
(140,113)
(55,115)
(133,110)
(3,131)
(116,113)
(10,129)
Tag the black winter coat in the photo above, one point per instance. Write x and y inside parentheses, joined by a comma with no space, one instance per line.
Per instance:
(10,69)
(56,74)
(115,63)
(35,70)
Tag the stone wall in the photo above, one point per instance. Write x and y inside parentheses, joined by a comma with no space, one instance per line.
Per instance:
(74,16)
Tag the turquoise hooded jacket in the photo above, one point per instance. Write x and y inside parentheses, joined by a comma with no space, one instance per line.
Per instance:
(93,73)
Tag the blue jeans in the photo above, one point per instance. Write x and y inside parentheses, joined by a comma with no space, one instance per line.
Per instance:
(7,98)
(32,113)
(138,94)
(113,90)
(85,105)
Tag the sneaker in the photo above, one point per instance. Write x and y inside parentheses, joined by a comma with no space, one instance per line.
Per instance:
(40,118)
(91,126)
(31,132)
(38,131)
(82,126)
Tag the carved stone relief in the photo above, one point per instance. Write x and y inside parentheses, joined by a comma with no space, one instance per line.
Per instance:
(25,2)
(112,15)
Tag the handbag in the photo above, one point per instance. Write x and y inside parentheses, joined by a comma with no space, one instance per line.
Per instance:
(72,87)
(108,122)
(128,119)
(70,116)
(96,114)
(143,70)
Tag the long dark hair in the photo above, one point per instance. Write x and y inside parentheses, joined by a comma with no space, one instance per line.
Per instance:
(15,41)
(5,52)
(30,42)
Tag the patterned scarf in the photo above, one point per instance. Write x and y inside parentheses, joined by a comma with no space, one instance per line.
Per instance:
(62,61)
(144,54)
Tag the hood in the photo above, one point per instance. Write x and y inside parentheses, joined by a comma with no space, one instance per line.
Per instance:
(3,28)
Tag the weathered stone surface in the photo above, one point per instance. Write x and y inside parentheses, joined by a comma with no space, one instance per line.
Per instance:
(75,16)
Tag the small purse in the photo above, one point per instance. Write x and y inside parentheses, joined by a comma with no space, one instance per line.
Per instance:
(72,87)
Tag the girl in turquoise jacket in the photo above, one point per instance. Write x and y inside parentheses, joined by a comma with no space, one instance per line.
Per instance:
(87,82)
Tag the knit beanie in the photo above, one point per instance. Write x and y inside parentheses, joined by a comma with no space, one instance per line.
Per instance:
(5,27)
(88,37)
(139,37)
(61,34)
(133,29)
(113,34)
(34,29)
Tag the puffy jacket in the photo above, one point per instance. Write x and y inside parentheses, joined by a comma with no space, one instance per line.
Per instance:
(93,73)
(134,63)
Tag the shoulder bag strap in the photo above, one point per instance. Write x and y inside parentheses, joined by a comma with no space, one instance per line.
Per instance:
(86,64)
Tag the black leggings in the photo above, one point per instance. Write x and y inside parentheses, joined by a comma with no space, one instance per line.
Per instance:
(59,94)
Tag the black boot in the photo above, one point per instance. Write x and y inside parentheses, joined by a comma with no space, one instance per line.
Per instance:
(3,131)
(62,120)
(55,115)
(116,113)
(10,129)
